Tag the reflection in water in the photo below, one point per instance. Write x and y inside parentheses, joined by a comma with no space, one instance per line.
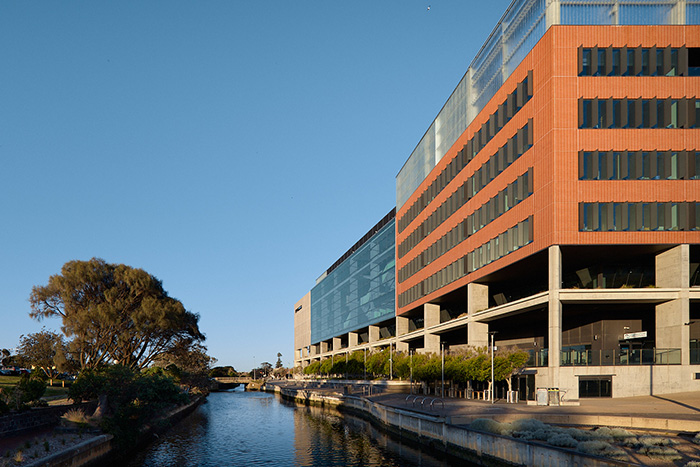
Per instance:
(252,428)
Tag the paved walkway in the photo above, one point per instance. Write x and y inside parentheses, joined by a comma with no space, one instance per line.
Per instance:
(680,406)
(668,412)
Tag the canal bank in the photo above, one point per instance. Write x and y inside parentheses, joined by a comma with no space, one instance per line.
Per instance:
(445,426)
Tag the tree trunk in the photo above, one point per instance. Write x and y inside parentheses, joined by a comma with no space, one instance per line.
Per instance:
(102,408)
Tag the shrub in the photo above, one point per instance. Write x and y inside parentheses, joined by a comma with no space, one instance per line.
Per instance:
(563,440)
(696,439)
(486,425)
(75,416)
(595,447)
(661,452)
(132,398)
(648,440)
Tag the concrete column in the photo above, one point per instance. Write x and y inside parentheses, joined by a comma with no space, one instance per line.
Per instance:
(313,349)
(673,267)
(477,298)
(477,334)
(555,313)
(553,13)
(324,347)
(336,344)
(373,334)
(673,271)
(431,343)
(431,315)
(353,339)
(401,326)
(402,346)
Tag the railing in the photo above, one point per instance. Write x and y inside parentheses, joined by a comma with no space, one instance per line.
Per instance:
(538,358)
(620,357)
(694,355)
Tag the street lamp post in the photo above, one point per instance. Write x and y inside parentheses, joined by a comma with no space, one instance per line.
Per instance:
(442,352)
(493,384)
(391,361)
(410,355)
(364,367)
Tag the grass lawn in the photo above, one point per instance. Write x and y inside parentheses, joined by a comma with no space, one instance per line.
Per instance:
(56,390)
(9,381)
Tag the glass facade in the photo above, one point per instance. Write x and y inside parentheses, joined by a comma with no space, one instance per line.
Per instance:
(522,25)
(358,292)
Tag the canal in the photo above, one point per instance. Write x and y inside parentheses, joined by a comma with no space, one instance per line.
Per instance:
(238,428)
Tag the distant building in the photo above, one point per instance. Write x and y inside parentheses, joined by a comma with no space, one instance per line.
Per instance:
(353,302)
(555,201)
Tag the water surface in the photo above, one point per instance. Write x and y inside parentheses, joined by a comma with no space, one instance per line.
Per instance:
(240,428)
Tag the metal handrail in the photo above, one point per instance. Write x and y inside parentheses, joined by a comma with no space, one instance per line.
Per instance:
(437,400)
(416,399)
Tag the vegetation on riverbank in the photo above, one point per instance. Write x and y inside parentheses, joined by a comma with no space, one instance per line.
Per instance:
(460,367)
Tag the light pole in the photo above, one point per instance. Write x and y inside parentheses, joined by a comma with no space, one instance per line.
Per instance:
(364,367)
(442,353)
(391,362)
(493,385)
(410,355)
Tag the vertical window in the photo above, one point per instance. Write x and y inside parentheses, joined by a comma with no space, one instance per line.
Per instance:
(615,62)
(586,63)
(646,113)
(601,63)
(616,113)
(673,172)
(645,62)
(602,114)
(630,63)
(646,166)
(673,70)
(660,62)
(673,117)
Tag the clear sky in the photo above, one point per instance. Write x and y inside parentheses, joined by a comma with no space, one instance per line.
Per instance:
(232,149)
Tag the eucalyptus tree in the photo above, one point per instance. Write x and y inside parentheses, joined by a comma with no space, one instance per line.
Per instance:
(44,350)
(113,313)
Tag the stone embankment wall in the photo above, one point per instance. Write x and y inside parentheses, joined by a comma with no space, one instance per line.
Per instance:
(24,422)
(477,447)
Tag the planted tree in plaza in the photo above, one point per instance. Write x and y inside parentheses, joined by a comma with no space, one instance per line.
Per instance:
(509,363)
(113,313)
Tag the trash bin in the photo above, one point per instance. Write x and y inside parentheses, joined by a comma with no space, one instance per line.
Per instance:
(553,396)
(542,396)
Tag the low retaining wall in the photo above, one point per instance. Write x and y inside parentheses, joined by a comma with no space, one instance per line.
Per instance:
(32,419)
(80,454)
(434,431)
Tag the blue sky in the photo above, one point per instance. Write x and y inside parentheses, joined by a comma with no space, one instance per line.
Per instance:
(232,149)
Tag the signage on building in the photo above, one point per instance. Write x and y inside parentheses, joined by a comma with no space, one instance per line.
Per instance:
(634,335)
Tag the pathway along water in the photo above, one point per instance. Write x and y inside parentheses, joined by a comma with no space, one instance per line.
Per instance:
(238,428)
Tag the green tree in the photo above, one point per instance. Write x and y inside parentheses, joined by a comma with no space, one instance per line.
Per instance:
(192,365)
(44,350)
(278,364)
(509,363)
(313,368)
(114,313)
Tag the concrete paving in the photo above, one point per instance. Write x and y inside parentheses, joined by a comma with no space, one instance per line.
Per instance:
(672,412)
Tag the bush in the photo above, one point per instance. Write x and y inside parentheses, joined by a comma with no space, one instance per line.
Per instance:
(487,425)
(133,398)
(661,452)
(4,408)
(563,440)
